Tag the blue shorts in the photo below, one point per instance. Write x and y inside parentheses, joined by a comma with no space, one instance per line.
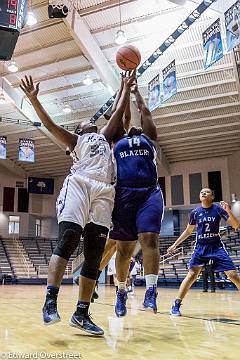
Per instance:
(216,252)
(136,210)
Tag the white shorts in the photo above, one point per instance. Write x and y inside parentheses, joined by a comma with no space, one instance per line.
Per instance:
(83,200)
(112,266)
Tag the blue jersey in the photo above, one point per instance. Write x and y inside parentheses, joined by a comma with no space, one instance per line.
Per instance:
(207,221)
(136,162)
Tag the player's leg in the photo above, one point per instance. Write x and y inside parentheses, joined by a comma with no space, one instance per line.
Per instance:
(68,240)
(95,236)
(149,219)
(205,279)
(212,278)
(115,281)
(125,250)
(190,278)
(94,242)
(234,277)
(151,257)
(223,262)
(109,250)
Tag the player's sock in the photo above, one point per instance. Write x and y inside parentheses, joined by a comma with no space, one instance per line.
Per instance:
(52,291)
(151,280)
(82,307)
(122,285)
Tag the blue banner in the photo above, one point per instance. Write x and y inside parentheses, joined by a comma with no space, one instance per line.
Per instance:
(40,185)
(3,147)
(26,150)
(154,96)
(232,23)
(169,81)
(212,44)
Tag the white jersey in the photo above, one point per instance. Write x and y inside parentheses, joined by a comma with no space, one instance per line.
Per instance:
(92,158)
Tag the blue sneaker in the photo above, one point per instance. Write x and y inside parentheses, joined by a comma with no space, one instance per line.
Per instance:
(176,308)
(50,313)
(85,323)
(150,300)
(120,307)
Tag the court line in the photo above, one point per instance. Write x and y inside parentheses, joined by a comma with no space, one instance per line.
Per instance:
(221,321)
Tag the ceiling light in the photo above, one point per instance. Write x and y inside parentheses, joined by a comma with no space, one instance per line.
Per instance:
(87,80)
(67,109)
(120,37)
(12,67)
(31,19)
(2,99)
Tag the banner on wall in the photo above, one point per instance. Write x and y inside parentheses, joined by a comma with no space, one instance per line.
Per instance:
(232,24)
(26,150)
(212,44)
(154,96)
(3,147)
(169,81)
(40,185)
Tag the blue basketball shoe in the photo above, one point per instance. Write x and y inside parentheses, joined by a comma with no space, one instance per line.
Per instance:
(176,308)
(150,299)
(120,307)
(85,323)
(50,313)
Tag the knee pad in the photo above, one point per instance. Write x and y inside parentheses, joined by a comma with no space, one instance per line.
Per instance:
(68,239)
(95,237)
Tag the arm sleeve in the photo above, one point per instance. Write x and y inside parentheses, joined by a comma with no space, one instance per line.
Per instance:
(192,218)
(224,215)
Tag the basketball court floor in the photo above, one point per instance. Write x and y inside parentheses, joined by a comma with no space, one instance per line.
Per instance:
(208,329)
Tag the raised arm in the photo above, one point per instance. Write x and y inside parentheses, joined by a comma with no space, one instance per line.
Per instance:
(60,134)
(117,98)
(186,233)
(148,126)
(127,116)
(114,127)
(232,220)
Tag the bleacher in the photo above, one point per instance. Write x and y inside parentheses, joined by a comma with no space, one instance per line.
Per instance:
(39,250)
(5,266)
(29,257)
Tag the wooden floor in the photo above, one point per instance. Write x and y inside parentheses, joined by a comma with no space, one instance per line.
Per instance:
(208,329)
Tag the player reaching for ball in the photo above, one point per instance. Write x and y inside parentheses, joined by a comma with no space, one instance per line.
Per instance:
(208,246)
(85,202)
(138,205)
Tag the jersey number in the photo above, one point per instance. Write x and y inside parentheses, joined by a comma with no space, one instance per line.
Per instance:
(134,141)
(207,227)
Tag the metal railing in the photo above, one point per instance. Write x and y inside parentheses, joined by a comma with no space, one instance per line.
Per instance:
(168,257)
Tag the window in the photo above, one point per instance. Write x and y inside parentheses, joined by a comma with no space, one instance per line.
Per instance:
(38,227)
(13,224)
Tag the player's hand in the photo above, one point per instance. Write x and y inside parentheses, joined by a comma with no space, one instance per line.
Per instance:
(129,79)
(29,88)
(225,206)
(134,88)
(171,250)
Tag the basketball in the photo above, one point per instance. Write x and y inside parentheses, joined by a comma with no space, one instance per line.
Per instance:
(128,57)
